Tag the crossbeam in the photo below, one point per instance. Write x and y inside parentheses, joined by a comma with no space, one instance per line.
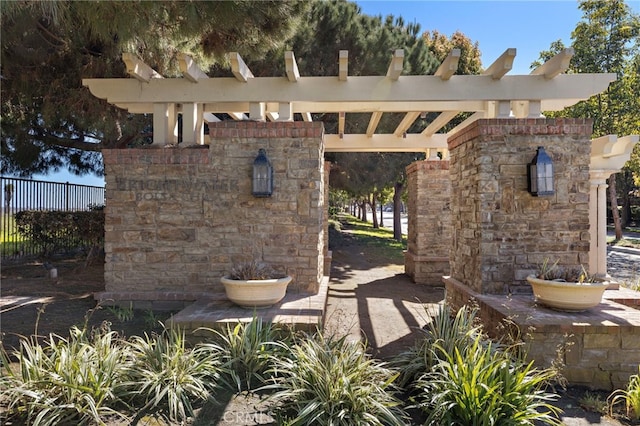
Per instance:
(383,143)
(238,67)
(556,65)
(396,65)
(190,69)
(573,87)
(449,66)
(291,67)
(138,69)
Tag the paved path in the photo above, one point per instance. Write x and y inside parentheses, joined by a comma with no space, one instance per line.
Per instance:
(380,304)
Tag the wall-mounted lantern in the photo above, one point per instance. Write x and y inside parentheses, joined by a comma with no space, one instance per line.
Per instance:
(262,175)
(541,174)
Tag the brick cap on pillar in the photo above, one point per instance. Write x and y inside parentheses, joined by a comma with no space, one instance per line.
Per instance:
(428,165)
(258,129)
(521,126)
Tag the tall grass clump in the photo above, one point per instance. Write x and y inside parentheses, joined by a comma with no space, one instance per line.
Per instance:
(480,385)
(165,376)
(74,380)
(630,397)
(247,351)
(442,335)
(328,381)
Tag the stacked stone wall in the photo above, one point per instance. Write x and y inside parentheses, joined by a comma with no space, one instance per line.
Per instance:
(177,218)
(501,233)
(429,221)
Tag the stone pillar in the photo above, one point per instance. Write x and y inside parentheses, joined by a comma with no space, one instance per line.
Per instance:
(429,215)
(176,218)
(501,233)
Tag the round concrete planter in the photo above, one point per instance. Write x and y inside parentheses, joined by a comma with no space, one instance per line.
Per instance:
(256,293)
(567,296)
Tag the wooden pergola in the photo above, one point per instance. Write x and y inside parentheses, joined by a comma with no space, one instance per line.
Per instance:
(492,94)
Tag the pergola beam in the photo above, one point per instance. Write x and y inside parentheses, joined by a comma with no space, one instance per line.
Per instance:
(343,65)
(502,65)
(383,143)
(556,65)
(239,68)
(396,65)
(291,66)
(138,69)
(439,122)
(189,69)
(449,66)
(373,123)
(460,88)
(406,122)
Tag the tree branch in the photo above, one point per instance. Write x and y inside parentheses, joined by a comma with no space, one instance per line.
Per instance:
(72,143)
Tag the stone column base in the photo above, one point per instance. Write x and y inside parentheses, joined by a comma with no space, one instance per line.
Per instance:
(426,270)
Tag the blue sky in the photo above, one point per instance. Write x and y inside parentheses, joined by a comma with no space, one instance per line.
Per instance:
(529,26)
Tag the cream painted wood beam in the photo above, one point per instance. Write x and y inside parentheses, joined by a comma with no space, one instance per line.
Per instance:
(556,65)
(257,111)
(502,65)
(439,122)
(343,65)
(373,123)
(406,122)
(460,88)
(341,120)
(449,66)
(383,143)
(350,107)
(138,69)
(239,68)
(272,116)
(237,115)
(285,111)
(306,116)
(210,118)
(396,65)
(473,117)
(189,69)
(291,66)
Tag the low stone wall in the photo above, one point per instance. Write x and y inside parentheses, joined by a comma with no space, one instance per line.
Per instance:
(176,218)
(598,348)
(429,227)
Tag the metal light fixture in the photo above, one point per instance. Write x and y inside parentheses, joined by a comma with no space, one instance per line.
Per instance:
(541,174)
(262,175)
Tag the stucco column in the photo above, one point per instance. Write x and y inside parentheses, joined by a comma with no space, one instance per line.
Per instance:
(598,222)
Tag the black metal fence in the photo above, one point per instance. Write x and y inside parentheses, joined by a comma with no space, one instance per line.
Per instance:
(24,194)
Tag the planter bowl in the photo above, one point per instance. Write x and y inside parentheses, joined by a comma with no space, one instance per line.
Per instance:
(256,293)
(567,296)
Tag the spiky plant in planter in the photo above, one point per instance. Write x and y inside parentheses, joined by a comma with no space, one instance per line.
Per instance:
(254,284)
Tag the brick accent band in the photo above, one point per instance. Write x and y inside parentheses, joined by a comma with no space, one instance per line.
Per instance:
(258,129)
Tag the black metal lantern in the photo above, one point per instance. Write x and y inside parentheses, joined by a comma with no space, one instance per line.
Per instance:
(262,175)
(541,174)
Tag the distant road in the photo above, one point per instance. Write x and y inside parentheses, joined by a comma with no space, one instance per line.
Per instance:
(387,221)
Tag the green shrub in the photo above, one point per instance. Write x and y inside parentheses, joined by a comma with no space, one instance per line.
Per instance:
(479,385)
(75,380)
(50,230)
(165,376)
(247,351)
(442,335)
(334,382)
(630,397)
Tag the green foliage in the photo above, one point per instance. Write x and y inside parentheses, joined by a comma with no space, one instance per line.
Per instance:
(247,352)
(333,382)
(479,385)
(49,120)
(380,241)
(75,380)
(630,397)
(591,401)
(52,229)
(167,377)
(123,314)
(444,334)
